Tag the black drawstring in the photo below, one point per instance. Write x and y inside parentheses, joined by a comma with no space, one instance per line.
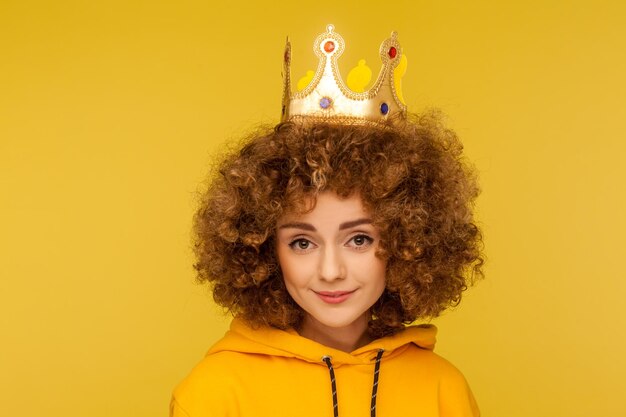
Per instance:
(375,385)
(333,383)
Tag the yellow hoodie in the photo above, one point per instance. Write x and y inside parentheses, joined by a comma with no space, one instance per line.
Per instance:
(273,373)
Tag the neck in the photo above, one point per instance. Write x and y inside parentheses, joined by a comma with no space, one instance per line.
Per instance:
(346,339)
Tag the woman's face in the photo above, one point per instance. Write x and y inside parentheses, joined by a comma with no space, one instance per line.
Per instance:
(329,265)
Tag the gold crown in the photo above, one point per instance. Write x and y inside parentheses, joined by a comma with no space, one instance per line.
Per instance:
(322,95)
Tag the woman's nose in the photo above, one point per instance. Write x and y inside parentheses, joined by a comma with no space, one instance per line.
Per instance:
(331,265)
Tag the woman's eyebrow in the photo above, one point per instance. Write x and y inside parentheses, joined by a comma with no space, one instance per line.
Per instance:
(348,225)
(311,228)
(298,225)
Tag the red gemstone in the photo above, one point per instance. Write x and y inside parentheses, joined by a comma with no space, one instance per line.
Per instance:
(393,52)
(329,46)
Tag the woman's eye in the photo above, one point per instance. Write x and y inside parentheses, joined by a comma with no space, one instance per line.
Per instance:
(361,241)
(300,244)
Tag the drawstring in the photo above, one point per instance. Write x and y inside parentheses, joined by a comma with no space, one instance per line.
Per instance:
(375,385)
(333,383)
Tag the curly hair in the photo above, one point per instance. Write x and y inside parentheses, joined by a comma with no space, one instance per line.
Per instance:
(411,177)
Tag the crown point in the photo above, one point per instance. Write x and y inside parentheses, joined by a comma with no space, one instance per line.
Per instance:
(329,46)
(330,28)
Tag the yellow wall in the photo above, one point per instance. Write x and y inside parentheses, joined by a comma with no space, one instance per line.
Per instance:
(109,112)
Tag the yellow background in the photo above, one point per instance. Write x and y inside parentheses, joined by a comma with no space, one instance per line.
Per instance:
(109,113)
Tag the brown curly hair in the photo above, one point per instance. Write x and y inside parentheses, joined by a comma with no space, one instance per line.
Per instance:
(412,178)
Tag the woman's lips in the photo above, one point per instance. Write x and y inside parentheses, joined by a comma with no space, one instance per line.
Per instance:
(334,297)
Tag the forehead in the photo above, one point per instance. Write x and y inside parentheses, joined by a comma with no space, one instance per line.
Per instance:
(328,207)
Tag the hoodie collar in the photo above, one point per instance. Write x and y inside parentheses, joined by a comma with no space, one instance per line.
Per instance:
(274,342)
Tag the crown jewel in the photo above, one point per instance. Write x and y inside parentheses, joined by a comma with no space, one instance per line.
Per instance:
(323,94)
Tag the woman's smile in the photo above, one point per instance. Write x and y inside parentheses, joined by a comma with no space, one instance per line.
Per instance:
(334,297)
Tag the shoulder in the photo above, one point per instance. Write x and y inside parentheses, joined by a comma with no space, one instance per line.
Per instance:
(209,386)
(216,370)
(423,373)
(415,356)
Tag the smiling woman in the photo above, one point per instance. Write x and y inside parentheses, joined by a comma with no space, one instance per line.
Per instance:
(326,236)
(413,186)
(326,241)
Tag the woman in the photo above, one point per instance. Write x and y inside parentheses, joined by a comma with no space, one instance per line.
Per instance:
(326,238)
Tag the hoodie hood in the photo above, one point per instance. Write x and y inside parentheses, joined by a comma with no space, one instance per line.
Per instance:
(274,342)
(265,372)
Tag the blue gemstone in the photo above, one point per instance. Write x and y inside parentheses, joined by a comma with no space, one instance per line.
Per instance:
(384,108)
(325,102)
